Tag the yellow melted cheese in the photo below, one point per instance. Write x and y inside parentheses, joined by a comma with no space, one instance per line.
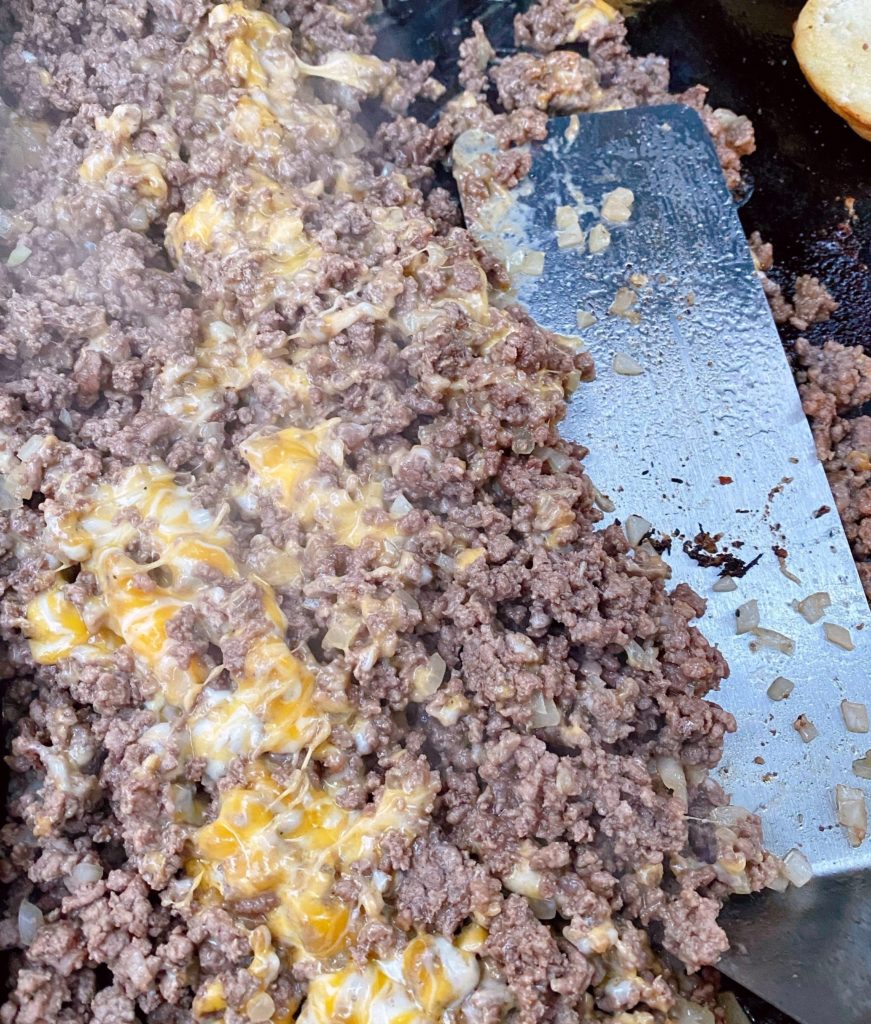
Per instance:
(257,215)
(294,841)
(291,841)
(287,462)
(430,976)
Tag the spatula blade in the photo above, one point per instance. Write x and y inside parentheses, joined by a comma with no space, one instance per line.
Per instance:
(710,437)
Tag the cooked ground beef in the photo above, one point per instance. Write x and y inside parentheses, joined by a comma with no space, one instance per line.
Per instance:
(317,654)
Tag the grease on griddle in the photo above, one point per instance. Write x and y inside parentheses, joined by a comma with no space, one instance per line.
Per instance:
(707,550)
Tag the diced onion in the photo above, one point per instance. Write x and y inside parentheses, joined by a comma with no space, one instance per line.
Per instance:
(599,239)
(19,255)
(585,318)
(566,217)
(733,1014)
(746,617)
(729,815)
(524,647)
(724,585)
(84,873)
(624,300)
(603,501)
(31,446)
(781,688)
(673,778)
(626,366)
(797,868)
(523,443)
(805,728)
(259,1008)
(532,263)
(686,1012)
(544,910)
(429,677)
(617,205)
(773,640)
(639,658)
(400,507)
(813,607)
(852,812)
(862,766)
(342,631)
(30,920)
(571,238)
(220,331)
(855,716)
(637,528)
(839,636)
(545,713)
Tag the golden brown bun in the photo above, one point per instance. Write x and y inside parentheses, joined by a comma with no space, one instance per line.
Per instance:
(833,46)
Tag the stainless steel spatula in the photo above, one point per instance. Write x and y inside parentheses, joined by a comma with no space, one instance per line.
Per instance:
(708,442)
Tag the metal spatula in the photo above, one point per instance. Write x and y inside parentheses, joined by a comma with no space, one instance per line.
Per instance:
(710,439)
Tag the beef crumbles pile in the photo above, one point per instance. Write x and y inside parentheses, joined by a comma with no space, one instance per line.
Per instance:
(329,697)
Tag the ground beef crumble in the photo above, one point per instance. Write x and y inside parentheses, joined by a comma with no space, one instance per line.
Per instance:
(511,658)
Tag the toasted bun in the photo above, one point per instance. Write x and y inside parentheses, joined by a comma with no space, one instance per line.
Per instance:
(833,46)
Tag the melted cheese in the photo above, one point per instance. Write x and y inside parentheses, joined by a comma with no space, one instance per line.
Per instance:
(256,215)
(288,841)
(57,630)
(417,986)
(293,841)
(288,463)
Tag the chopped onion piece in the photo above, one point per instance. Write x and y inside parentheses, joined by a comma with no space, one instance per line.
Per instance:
(617,205)
(545,713)
(566,217)
(544,910)
(673,777)
(569,231)
(733,1014)
(260,1008)
(775,641)
(30,920)
(797,868)
(805,728)
(839,636)
(624,300)
(400,507)
(639,658)
(855,716)
(852,812)
(19,255)
(342,631)
(585,318)
(603,501)
(637,528)
(746,617)
(429,677)
(627,366)
(599,238)
(724,585)
(813,607)
(572,238)
(862,766)
(532,264)
(729,814)
(686,1012)
(31,446)
(84,873)
(781,688)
